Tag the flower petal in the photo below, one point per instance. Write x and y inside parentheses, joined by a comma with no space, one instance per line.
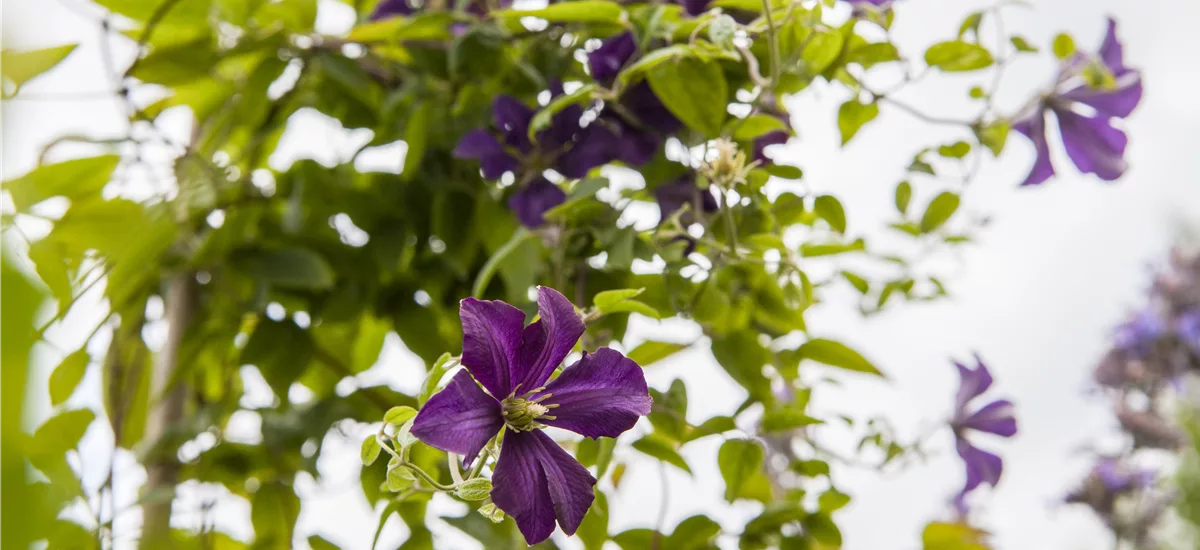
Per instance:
(512,117)
(391,8)
(491,338)
(636,147)
(673,195)
(603,394)
(1116,102)
(536,482)
(982,466)
(1093,144)
(1111,51)
(649,111)
(606,61)
(994,418)
(695,7)
(778,137)
(481,145)
(1034,128)
(595,147)
(459,419)
(973,382)
(532,201)
(546,342)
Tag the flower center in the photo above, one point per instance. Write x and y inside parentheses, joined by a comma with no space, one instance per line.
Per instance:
(522,413)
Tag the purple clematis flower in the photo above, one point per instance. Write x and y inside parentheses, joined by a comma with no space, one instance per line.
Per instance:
(1108,480)
(1138,335)
(639,119)
(673,195)
(564,146)
(1092,143)
(994,418)
(533,201)
(602,395)
(777,137)
(391,8)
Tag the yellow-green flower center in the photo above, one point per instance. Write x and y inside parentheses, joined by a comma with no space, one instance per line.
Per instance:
(522,414)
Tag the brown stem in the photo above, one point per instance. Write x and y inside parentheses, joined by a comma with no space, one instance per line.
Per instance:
(162,469)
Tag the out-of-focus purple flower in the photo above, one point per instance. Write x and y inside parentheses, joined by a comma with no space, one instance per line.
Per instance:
(1138,335)
(602,395)
(391,8)
(565,145)
(638,119)
(1091,141)
(995,418)
(673,195)
(1187,327)
(531,202)
(1149,429)
(1108,480)
(777,137)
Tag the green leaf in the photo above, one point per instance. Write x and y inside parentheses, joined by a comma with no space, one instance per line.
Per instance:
(836,354)
(51,265)
(583,11)
(743,357)
(273,512)
(426,26)
(812,250)
(940,209)
(828,208)
(637,539)
(832,500)
(857,281)
(669,413)
(693,533)
(370,450)
(1022,45)
(416,135)
(970,24)
(177,64)
(66,376)
(18,68)
(436,372)
(76,180)
(297,16)
(786,420)
(281,350)
(661,449)
(604,454)
(874,54)
(400,478)
(739,460)
(852,115)
(903,196)
(651,351)
(399,415)
(956,150)
(315,542)
(756,125)
(958,56)
(994,136)
(542,119)
(619,301)
(1064,46)
(701,108)
(294,267)
(68,534)
(593,530)
(952,536)
(822,528)
(823,48)
(61,433)
(712,426)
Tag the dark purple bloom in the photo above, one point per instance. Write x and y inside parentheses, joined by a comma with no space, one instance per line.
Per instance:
(532,201)
(1108,480)
(606,61)
(603,394)
(1091,141)
(673,195)
(391,8)
(994,418)
(695,7)
(1138,335)
(776,137)
(637,121)
(565,146)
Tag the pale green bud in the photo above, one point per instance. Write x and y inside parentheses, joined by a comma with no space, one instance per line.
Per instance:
(491,512)
(474,489)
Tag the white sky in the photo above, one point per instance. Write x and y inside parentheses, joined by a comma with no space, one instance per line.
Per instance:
(1036,296)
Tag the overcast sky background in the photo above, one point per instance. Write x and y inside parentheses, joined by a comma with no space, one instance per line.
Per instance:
(1036,296)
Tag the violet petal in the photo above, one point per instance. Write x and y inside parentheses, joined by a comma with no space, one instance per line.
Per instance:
(1034,128)
(603,394)
(1094,145)
(982,466)
(994,418)
(532,201)
(491,337)
(546,342)
(1117,102)
(537,482)
(459,419)
(973,382)
(512,118)
(481,145)
(606,61)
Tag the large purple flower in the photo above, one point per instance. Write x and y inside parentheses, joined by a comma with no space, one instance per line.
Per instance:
(994,418)
(603,394)
(1091,141)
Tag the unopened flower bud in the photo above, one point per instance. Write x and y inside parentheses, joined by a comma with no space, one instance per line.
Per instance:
(721,30)
(474,489)
(491,512)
